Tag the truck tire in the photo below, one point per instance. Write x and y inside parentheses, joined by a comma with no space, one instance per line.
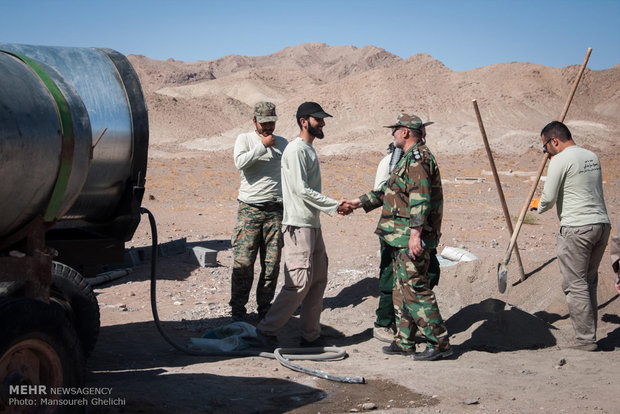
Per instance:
(37,348)
(75,297)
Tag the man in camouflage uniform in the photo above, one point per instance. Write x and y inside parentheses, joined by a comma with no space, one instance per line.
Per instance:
(257,156)
(410,224)
(385,325)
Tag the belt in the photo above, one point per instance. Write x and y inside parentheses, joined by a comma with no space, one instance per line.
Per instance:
(266,204)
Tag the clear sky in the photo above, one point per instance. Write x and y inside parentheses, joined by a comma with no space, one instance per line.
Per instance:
(462,34)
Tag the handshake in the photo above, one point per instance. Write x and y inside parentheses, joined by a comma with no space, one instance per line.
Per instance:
(346,207)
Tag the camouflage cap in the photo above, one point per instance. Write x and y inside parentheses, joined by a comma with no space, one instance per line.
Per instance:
(265,112)
(409,121)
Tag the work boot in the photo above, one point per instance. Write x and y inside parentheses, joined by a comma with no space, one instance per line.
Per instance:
(395,349)
(431,353)
(383,333)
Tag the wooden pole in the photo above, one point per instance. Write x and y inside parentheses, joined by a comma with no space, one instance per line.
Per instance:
(498,184)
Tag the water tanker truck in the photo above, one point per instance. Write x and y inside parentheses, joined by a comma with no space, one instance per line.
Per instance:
(73,156)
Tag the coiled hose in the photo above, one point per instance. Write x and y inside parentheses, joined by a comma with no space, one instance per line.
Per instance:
(283,355)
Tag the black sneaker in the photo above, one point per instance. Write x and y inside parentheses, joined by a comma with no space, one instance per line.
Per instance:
(431,354)
(395,349)
(269,341)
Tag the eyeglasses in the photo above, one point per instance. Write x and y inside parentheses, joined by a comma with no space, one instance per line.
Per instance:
(545,146)
(395,129)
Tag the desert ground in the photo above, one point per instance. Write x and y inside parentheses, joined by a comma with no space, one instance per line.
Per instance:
(512,350)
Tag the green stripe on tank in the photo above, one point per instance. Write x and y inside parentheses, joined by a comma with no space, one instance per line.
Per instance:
(66,129)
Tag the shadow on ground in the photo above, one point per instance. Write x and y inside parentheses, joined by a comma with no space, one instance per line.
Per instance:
(157,391)
(354,294)
(173,263)
(497,326)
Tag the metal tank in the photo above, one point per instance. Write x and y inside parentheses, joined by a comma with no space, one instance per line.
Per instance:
(44,157)
(103,93)
(68,202)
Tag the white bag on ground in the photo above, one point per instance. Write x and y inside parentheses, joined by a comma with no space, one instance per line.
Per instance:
(458,255)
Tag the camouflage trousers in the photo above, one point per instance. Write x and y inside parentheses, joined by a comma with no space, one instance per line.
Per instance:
(258,229)
(415,305)
(385,308)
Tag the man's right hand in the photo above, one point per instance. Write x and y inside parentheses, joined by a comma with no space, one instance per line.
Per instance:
(268,140)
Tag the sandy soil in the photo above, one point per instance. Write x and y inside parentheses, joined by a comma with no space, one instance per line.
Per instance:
(511,349)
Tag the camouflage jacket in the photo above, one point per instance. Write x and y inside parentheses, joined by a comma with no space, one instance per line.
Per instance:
(411,197)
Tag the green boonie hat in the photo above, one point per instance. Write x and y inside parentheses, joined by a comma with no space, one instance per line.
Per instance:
(409,121)
(265,112)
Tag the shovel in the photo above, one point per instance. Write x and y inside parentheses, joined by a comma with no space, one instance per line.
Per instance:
(502,270)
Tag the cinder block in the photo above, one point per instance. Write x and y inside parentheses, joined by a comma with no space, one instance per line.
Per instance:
(202,256)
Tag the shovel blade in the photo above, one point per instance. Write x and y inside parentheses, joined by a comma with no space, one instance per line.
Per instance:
(502,277)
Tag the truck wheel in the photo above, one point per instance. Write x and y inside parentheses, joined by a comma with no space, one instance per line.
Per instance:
(37,352)
(75,296)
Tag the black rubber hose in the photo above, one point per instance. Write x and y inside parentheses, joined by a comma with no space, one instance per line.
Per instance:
(177,346)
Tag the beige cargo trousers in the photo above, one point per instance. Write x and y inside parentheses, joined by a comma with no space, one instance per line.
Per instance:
(305,279)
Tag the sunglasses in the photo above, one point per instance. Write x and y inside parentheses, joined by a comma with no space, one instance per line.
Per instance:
(544,148)
(395,129)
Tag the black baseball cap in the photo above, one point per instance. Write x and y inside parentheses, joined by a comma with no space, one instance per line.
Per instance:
(311,109)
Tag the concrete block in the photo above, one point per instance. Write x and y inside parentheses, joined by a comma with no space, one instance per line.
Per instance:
(202,256)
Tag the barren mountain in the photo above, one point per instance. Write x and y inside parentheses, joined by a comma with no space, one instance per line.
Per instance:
(204,105)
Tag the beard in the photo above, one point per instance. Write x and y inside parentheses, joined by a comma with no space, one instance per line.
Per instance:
(264,131)
(315,132)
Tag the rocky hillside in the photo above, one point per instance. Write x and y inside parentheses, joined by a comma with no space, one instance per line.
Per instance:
(202,106)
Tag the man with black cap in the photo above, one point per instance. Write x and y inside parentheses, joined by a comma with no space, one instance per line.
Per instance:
(257,156)
(410,225)
(305,258)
